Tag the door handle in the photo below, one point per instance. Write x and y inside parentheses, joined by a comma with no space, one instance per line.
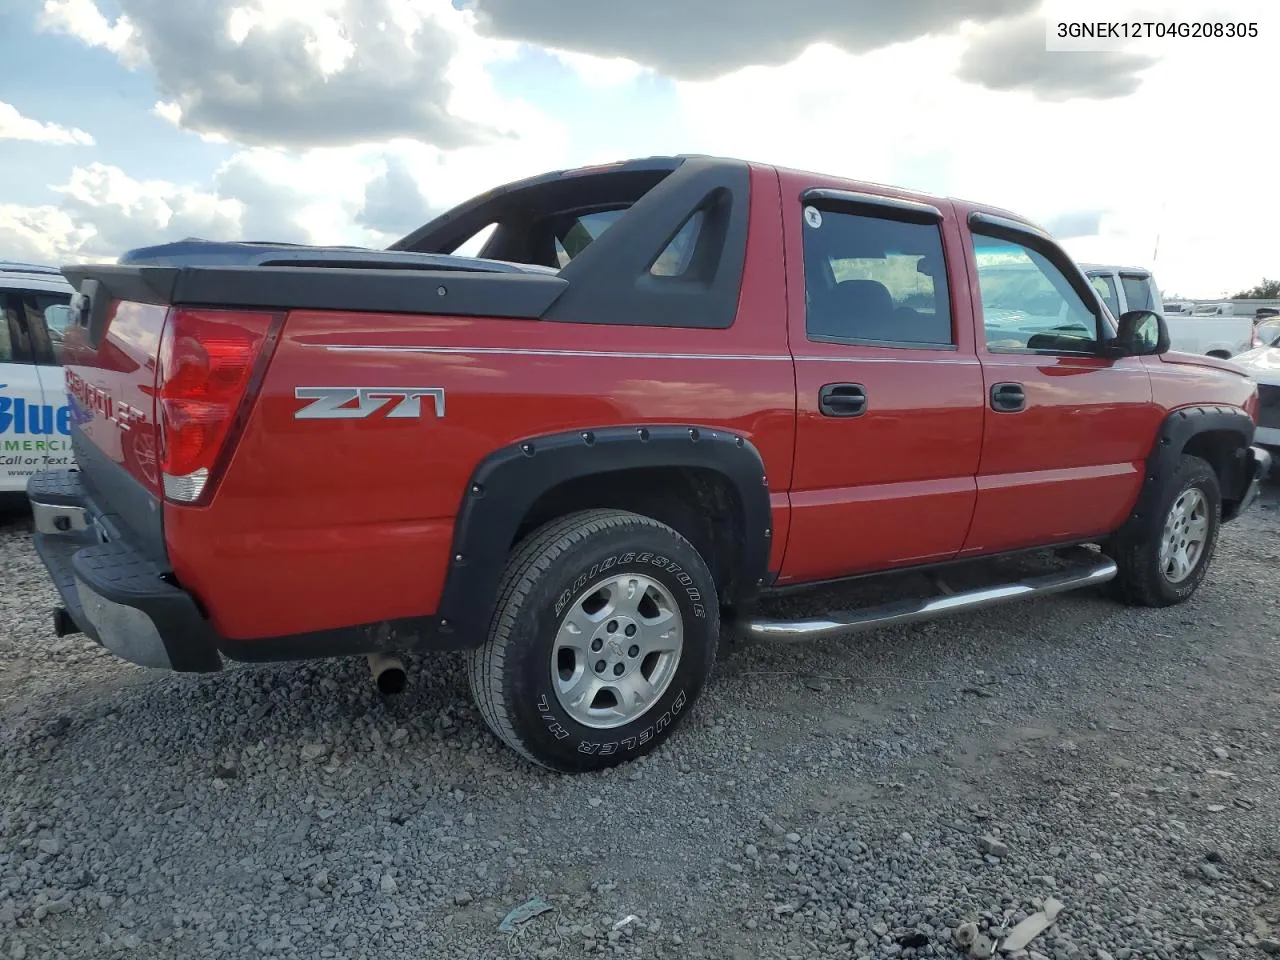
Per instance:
(1008,397)
(842,400)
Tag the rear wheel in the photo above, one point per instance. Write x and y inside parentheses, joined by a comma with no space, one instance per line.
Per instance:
(1166,568)
(603,635)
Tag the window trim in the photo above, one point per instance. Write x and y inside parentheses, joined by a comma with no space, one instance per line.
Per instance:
(1033,238)
(892,344)
(896,210)
(923,212)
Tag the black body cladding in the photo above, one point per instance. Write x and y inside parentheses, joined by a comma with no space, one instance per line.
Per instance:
(510,481)
(1178,430)
(608,282)
(363,290)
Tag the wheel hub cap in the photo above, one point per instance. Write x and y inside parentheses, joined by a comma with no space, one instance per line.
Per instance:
(616,650)
(1186,530)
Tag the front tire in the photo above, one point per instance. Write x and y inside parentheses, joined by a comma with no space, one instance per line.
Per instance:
(1166,567)
(602,637)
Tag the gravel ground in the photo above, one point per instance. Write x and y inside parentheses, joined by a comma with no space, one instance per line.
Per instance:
(830,800)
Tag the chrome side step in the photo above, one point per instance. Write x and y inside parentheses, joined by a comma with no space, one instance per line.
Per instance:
(1098,572)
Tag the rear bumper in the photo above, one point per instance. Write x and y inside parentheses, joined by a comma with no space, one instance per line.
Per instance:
(126,599)
(113,592)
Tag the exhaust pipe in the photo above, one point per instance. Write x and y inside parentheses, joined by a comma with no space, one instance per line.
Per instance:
(388,673)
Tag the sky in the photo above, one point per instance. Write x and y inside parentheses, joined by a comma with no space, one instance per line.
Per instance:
(125,123)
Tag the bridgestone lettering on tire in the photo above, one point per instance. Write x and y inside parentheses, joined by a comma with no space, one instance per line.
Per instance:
(603,635)
(1189,513)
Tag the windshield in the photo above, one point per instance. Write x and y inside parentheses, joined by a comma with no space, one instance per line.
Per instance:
(1268,333)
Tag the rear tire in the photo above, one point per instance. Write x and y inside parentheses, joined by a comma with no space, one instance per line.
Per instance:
(1167,566)
(602,637)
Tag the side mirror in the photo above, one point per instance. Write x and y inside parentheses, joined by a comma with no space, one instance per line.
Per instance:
(1142,333)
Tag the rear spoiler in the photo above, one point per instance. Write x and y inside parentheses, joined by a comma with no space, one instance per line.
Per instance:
(362,289)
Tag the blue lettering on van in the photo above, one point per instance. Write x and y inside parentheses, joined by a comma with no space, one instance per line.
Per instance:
(40,419)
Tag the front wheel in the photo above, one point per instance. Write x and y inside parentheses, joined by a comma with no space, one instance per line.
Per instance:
(1165,569)
(603,635)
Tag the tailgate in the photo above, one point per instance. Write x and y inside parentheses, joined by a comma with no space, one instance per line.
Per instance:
(111,392)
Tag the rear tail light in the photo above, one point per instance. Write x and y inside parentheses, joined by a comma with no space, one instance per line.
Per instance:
(210,363)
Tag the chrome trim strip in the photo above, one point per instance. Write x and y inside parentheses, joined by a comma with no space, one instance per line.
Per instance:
(913,611)
(627,355)
(968,360)
(46,516)
(529,352)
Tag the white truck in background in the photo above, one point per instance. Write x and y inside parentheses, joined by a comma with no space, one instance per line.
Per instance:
(35,418)
(1208,330)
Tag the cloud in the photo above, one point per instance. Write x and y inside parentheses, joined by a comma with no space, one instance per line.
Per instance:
(600,71)
(393,202)
(82,19)
(708,38)
(1075,223)
(294,75)
(14,126)
(43,234)
(271,201)
(1012,56)
(919,128)
(124,213)
(364,196)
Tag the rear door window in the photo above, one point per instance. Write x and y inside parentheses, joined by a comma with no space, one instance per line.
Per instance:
(15,336)
(875,280)
(1106,288)
(48,315)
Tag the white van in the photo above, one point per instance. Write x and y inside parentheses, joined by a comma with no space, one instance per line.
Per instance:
(35,419)
(1212,332)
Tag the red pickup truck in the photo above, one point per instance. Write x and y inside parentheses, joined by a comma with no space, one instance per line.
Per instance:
(664,389)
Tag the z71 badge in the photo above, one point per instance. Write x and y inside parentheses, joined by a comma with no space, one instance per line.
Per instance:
(355,403)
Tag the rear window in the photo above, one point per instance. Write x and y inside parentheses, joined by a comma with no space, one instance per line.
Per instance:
(577,233)
(1137,292)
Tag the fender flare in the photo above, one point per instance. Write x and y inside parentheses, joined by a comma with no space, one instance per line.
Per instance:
(509,481)
(1178,428)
